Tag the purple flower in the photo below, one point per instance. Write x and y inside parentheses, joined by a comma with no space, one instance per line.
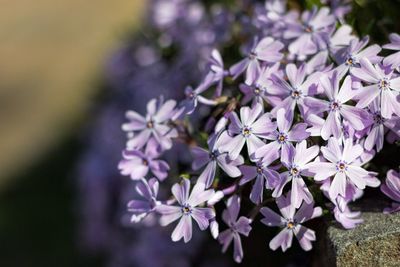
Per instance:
(153,125)
(340,40)
(296,164)
(211,159)
(311,34)
(339,8)
(137,164)
(391,188)
(267,50)
(382,84)
(274,17)
(291,222)
(187,210)
(193,97)
(342,165)
(349,58)
(393,59)
(140,208)
(259,90)
(376,133)
(284,135)
(217,70)
(347,218)
(358,118)
(265,177)
(236,227)
(252,126)
(294,92)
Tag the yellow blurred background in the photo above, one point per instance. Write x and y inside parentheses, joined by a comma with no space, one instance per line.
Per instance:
(51,53)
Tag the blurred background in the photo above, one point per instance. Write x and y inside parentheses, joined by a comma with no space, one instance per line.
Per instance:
(68,71)
(52,68)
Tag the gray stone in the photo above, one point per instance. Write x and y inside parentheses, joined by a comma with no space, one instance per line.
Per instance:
(376,242)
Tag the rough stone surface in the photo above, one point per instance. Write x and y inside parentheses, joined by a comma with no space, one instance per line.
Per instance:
(374,243)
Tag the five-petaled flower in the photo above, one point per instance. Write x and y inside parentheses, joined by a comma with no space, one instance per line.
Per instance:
(155,124)
(236,228)
(187,209)
(283,137)
(358,118)
(252,125)
(211,159)
(342,165)
(291,221)
(137,164)
(266,177)
(297,164)
(380,82)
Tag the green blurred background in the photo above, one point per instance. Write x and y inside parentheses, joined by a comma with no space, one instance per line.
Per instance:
(51,69)
(51,73)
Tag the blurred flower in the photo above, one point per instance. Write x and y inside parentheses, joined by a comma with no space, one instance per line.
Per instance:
(211,159)
(391,188)
(382,84)
(236,227)
(140,208)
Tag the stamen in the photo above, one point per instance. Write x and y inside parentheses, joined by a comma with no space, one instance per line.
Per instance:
(150,124)
(378,119)
(384,84)
(294,171)
(296,94)
(246,131)
(186,209)
(335,105)
(308,28)
(252,55)
(350,61)
(213,155)
(282,138)
(341,166)
(290,224)
(259,169)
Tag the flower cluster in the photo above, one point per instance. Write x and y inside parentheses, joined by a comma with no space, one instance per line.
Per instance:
(303,111)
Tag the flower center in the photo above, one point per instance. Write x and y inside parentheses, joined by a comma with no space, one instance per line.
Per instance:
(186,209)
(335,105)
(296,94)
(213,155)
(257,91)
(252,55)
(350,61)
(294,171)
(246,131)
(384,84)
(341,166)
(145,162)
(150,124)
(282,137)
(290,224)
(191,95)
(378,118)
(259,169)
(308,28)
